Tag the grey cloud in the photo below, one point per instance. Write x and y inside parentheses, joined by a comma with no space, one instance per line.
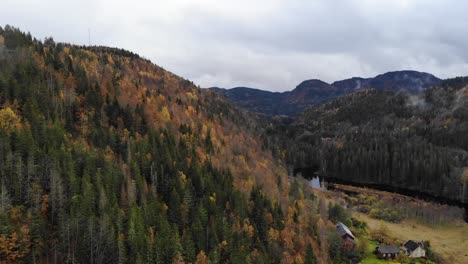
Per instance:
(268,44)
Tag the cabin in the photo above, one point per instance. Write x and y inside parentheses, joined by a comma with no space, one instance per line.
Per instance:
(414,249)
(346,235)
(387,251)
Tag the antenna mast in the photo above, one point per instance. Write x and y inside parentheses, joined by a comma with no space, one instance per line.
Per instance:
(89,37)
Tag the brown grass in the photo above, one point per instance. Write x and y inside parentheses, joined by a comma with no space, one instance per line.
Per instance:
(450,242)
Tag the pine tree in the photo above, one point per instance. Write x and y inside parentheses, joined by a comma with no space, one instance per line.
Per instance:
(309,256)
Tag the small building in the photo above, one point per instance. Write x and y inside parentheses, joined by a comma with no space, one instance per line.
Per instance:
(387,251)
(414,249)
(346,235)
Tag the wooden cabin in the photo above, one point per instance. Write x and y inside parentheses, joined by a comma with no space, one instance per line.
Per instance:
(387,251)
(346,235)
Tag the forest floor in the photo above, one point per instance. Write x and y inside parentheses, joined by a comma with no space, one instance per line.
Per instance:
(450,242)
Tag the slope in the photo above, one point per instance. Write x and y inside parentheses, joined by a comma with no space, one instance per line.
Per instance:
(108,158)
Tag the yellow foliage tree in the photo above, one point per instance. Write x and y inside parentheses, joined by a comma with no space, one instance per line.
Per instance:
(8,119)
(165,115)
(273,234)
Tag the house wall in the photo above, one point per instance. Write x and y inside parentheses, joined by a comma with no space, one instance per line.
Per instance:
(418,253)
(348,244)
(387,255)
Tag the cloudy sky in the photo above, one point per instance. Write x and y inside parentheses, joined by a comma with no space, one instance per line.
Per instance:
(267,44)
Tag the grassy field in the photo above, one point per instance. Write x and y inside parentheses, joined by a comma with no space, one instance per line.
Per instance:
(449,242)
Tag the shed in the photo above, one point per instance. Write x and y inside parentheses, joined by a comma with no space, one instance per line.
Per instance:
(387,251)
(346,235)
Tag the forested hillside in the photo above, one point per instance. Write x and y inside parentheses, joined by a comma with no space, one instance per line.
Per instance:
(410,141)
(108,158)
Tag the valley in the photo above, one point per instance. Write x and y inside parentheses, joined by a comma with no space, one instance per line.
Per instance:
(381,138)
(106,157)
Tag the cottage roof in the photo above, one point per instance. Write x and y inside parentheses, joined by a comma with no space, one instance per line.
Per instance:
(388,249)
(343,229)
(412,245)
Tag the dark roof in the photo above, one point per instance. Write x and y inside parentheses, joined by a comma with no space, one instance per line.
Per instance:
(343,229)
(388,249)
(412,245)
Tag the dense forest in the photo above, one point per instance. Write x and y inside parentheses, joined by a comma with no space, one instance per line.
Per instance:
(412,141)
(108,158)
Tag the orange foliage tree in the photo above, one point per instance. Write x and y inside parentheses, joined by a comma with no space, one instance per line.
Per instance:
(15,246)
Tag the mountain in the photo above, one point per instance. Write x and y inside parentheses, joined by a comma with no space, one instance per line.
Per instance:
(106,157)
(387,138)
(253,99)
(409,81)
(312,92)
(280,103)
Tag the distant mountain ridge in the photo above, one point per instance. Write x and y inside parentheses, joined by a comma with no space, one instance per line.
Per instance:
(410,81)
(314,91)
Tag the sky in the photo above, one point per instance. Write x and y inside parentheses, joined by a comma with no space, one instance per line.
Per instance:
(266,44)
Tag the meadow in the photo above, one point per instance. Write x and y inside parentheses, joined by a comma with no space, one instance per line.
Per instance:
(449,242)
